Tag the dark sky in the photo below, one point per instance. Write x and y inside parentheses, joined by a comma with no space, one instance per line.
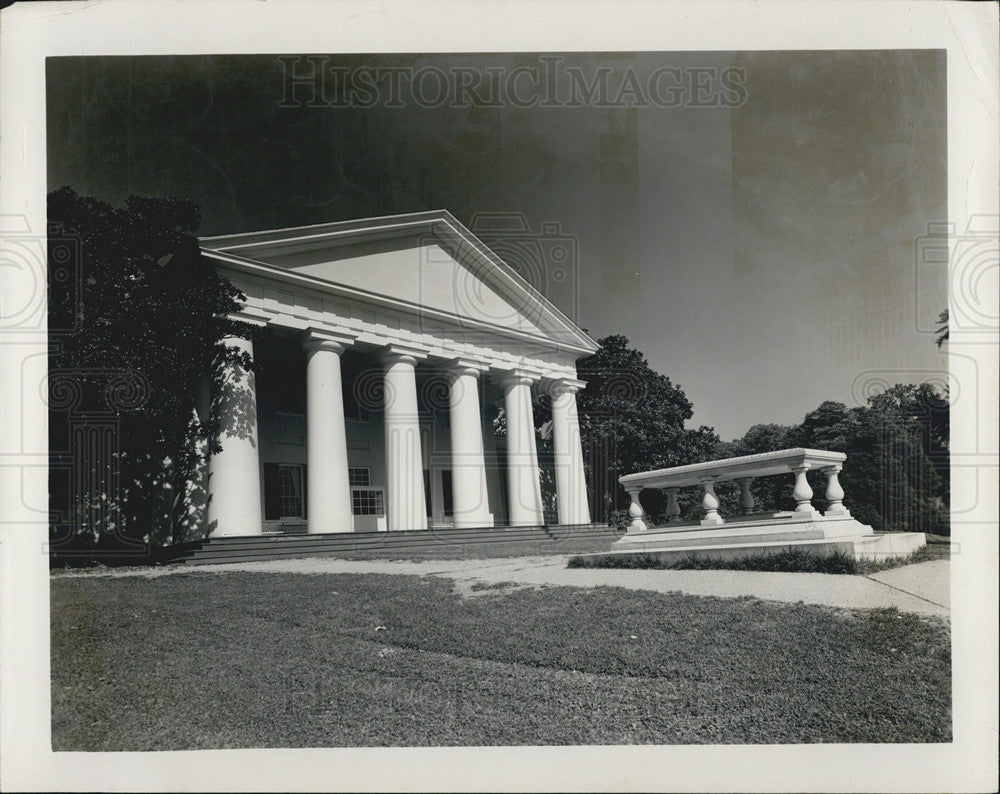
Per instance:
(759,251)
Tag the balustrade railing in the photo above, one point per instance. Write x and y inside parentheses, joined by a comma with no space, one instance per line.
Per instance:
(742,469)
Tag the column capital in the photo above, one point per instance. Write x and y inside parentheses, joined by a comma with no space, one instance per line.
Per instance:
(395,352)
(326,339)
(516,376)
(456,367)
(561,384)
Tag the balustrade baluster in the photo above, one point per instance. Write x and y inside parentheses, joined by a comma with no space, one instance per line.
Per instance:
(834,493)
(673,509)
(746,498)
(635,512)
(711,504)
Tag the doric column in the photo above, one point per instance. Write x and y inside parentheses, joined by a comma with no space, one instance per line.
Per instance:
(234,471)
(328,491)
(834,494)
(635,512)
(406,507)
(571,480)
(746,498)
(711,504)
(524,490)
(470,499)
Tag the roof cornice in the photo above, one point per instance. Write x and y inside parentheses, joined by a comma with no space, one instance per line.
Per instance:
(245,251)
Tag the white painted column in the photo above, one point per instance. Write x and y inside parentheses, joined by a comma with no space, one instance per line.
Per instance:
(524,490)
(470,499)
(328,491)
(571,479)
(234,471)
(405,504)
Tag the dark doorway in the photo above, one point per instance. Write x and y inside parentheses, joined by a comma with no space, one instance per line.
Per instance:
(446,492)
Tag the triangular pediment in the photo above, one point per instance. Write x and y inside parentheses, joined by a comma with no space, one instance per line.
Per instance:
(427,261)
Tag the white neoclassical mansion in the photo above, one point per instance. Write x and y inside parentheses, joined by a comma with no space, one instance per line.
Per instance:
(393,345)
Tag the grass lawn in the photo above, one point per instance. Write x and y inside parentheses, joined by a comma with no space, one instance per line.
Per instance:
(239,659)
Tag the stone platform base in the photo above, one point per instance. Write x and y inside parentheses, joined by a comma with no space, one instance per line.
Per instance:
(814,534)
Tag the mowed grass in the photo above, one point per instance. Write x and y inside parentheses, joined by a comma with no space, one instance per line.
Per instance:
(238,659)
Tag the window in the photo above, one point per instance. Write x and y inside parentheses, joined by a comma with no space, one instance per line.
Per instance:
(367,502)
(290,490)
(359,475)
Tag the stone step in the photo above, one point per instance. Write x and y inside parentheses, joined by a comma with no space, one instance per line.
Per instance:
(257,547)
(343,548)
(386,542)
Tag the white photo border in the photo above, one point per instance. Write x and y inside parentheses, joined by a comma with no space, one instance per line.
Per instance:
(33,31)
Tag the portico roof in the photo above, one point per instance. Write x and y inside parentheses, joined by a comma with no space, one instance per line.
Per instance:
(424,263)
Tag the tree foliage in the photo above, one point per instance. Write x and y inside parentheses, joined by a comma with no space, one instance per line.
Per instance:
(896,474)
(942,329)
(143,311)
(632,419)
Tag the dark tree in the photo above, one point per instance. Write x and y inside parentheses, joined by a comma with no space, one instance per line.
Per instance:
(896,475)
(135,329)
(632,419)
(942,329)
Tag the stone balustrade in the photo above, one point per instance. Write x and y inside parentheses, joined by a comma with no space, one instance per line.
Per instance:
(743,470)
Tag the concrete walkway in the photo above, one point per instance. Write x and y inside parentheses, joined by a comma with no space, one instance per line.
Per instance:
(923,588)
